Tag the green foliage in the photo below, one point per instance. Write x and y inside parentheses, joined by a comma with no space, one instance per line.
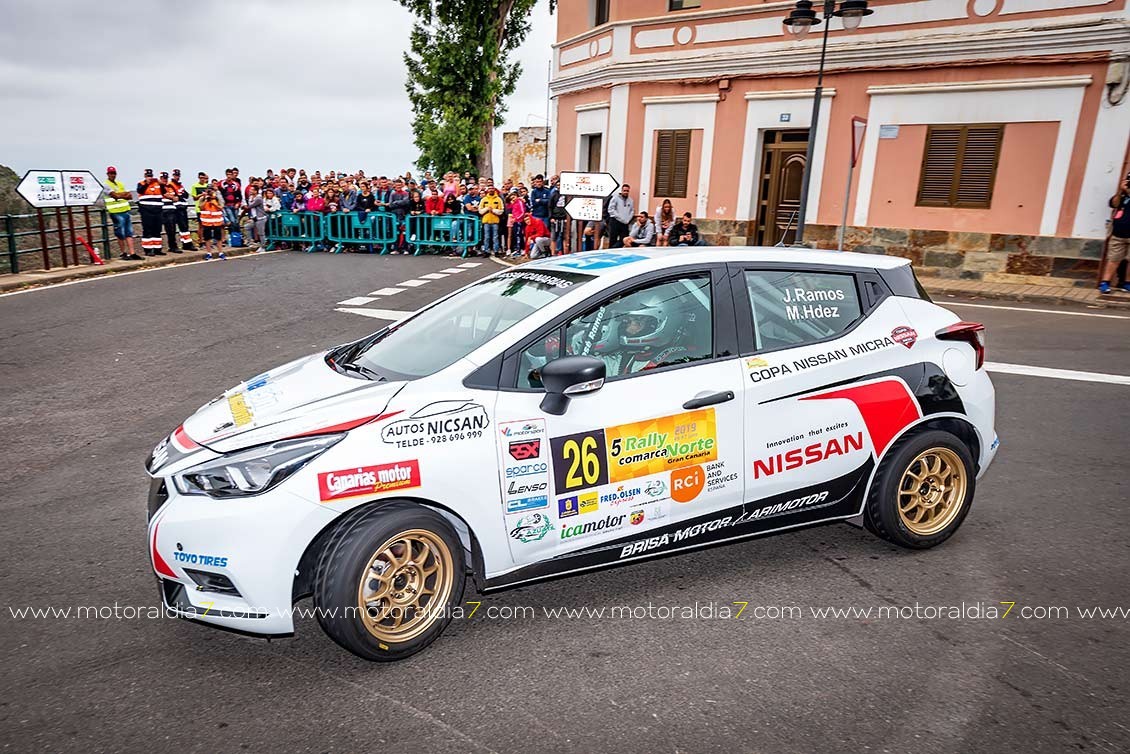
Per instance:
(459,75)
(11,203)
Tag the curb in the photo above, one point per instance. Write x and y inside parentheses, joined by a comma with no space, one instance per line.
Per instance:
(1113,301)
(52,277)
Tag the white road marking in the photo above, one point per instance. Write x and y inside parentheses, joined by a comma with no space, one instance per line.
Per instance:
(469,265)
(356,301)
(389,314)
(1057,374)
(413,283)
(387,292)
(114,275)
(433,276)
(1037,311)
(452,270)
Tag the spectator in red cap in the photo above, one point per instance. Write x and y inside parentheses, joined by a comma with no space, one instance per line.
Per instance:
(117,205)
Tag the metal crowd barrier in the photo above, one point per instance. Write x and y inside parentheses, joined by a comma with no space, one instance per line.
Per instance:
(373,231)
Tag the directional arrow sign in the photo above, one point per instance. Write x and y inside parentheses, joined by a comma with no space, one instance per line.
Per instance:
(42,188)
(585,208)
(60,188)
(81,188)
(588,184)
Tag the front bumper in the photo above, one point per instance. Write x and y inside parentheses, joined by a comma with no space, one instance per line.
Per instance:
(231,563)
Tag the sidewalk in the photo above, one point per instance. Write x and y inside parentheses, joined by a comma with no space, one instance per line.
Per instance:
(38,278)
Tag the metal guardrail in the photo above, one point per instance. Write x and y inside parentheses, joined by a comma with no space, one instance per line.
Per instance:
(41,241)
(375,231)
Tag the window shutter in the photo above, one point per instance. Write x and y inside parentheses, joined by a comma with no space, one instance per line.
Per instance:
(978,166)
(663,162)
(939,166)
(681,159)
(672,162)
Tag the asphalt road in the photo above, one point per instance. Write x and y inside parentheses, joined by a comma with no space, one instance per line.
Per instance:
(93,374)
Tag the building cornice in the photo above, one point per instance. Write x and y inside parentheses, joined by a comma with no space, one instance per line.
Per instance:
(983,45)
(1050,82)
(789,94)
(675,99)
(603,105)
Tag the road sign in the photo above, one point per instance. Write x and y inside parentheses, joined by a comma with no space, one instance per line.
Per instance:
(585,208)
(588,184)
(42,188)
(82,189)
(59,188)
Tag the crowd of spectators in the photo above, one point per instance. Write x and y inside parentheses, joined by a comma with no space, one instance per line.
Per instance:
(517,220)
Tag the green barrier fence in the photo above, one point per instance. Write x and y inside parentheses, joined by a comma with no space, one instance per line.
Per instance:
(436,232)
(377,231)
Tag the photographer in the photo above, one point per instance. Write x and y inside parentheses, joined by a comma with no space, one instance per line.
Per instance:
(1119,243)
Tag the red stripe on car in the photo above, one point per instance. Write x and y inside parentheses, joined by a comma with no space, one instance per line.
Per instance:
(159,565)
(345,426)
(181,438)
(887,406)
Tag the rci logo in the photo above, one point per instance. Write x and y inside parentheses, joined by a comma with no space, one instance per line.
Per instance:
(687,483)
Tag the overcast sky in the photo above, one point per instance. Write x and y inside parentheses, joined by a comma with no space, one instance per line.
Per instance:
(206,84)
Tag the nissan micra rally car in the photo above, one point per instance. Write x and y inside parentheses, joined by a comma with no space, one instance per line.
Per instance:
(575,413)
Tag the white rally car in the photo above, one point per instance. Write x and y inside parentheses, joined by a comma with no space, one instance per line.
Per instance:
(575,413)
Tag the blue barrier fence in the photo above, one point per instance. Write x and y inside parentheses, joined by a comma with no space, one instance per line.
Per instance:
(377,232)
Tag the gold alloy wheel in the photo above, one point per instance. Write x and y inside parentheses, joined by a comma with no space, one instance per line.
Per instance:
(932,491)
(405,586)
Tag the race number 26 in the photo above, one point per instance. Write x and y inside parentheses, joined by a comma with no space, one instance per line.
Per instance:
(579,461)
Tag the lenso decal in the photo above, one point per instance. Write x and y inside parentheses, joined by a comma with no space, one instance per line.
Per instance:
(669,442)
(439,422)
(368,480)
(531,528)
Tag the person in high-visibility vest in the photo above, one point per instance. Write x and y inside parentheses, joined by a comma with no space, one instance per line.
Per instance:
(117,206)
(212,224)
(150,200)
(181,209)
(169,212)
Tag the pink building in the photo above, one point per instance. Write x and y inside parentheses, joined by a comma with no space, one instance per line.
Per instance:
(996,129)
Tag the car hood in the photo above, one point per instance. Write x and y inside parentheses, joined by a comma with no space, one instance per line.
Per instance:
(303,397)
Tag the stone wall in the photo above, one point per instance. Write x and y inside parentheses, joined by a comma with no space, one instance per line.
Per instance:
(523,153)
(992,257)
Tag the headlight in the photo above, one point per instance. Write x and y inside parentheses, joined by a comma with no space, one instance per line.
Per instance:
(254,470)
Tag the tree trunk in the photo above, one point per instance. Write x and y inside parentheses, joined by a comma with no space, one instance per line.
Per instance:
(484,165)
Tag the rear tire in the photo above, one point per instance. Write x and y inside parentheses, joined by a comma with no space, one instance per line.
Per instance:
(923,490)
(388,581)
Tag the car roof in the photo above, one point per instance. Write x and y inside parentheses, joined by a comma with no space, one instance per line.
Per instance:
(646,260)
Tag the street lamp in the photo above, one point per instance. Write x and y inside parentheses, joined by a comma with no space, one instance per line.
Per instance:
(800,21)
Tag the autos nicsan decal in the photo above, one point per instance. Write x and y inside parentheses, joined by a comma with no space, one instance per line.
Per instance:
(439,422)
(630,451)
(525,469)
(368,480)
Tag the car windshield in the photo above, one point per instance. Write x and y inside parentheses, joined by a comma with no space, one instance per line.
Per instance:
(442,334)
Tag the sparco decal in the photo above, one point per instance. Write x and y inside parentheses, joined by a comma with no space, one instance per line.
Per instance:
(368,480)
(439,422)
(814,453)
(526,469)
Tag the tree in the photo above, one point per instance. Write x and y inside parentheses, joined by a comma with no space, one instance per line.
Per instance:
(459,75)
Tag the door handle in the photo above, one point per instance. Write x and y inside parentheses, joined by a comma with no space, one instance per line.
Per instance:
(709,400)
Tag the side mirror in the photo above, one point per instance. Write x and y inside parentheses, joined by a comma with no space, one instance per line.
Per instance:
(568,376)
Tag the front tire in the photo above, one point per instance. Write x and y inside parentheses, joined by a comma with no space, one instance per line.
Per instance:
(923,490)
(388,584)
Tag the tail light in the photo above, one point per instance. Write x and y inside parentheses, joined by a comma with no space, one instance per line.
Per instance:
(972,333)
